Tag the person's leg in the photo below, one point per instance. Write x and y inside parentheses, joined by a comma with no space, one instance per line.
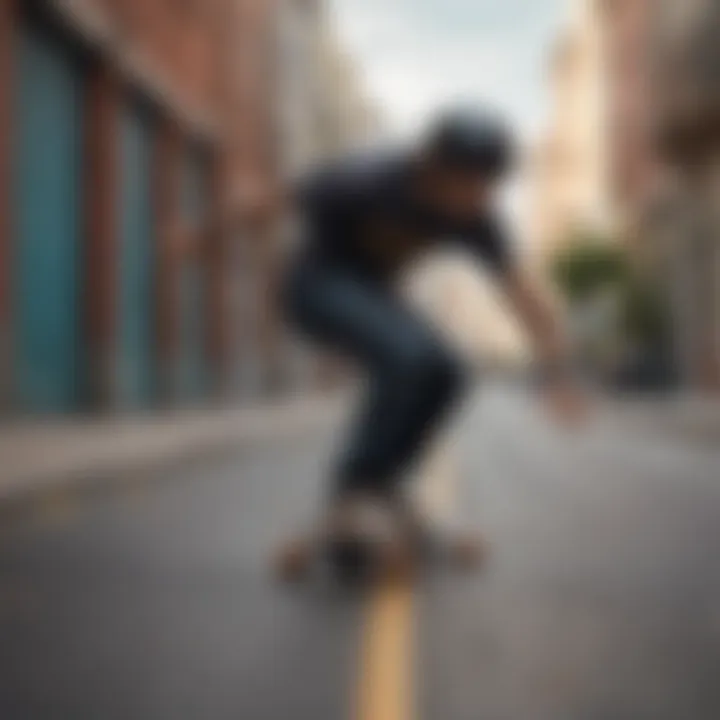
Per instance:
(412,377)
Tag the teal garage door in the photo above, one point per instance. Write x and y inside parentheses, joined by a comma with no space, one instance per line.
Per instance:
(193,366)
(136,356)
(46,245)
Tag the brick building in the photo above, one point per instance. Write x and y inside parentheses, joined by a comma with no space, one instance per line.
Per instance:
(128,129)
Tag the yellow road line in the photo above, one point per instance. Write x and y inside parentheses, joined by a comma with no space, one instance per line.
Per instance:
(386,688)
(386,685)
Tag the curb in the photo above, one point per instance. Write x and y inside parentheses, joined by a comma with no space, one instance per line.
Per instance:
(45,457)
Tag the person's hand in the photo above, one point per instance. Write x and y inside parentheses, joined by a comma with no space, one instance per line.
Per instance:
(567,403)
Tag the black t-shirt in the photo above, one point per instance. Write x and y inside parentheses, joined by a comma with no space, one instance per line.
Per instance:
(362,212)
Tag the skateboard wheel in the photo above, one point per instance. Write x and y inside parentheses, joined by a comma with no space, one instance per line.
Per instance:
(293,563)
(468,552)
(396,561)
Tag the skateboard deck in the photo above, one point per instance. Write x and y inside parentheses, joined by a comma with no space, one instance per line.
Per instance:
(368,559)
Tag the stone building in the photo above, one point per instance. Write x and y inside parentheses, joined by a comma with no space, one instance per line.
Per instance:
(568,169)
(635,168)
(323,112)
(348,119)
(661,59)
(685,47)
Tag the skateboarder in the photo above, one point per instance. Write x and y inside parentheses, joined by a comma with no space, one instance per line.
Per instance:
(363,219)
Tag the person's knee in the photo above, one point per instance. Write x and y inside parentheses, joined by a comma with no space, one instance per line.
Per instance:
(430,368)
(446,374)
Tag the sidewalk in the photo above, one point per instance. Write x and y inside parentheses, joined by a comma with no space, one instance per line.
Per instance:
(687,416)
(41,455)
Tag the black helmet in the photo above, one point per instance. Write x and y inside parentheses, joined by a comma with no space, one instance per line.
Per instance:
(472,140)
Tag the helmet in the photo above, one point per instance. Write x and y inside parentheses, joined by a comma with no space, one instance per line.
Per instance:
(472,140)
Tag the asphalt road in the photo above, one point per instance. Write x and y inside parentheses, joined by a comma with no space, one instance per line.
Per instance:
(150,598)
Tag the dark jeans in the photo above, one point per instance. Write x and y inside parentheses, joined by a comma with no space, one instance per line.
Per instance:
(413,378)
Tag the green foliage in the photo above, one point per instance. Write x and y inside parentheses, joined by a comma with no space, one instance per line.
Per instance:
(591,265)
(588,265)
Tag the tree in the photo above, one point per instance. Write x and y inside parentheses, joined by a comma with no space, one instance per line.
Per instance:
(591,270)
(587,266)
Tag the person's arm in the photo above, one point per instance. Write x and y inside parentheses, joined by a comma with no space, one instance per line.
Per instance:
(541,317)
(538,313)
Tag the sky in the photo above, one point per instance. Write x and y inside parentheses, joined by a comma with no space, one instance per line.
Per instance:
(416,55)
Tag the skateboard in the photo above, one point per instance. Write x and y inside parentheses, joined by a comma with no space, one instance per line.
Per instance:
(399,552)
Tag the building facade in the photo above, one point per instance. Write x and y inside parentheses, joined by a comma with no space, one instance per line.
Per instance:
(323,112)
(685,47)
(635,168)
(128,132)
(661,59)
(109,120)
(568,168)
(348,119)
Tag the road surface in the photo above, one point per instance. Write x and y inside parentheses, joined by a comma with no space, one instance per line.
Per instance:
(149,597)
